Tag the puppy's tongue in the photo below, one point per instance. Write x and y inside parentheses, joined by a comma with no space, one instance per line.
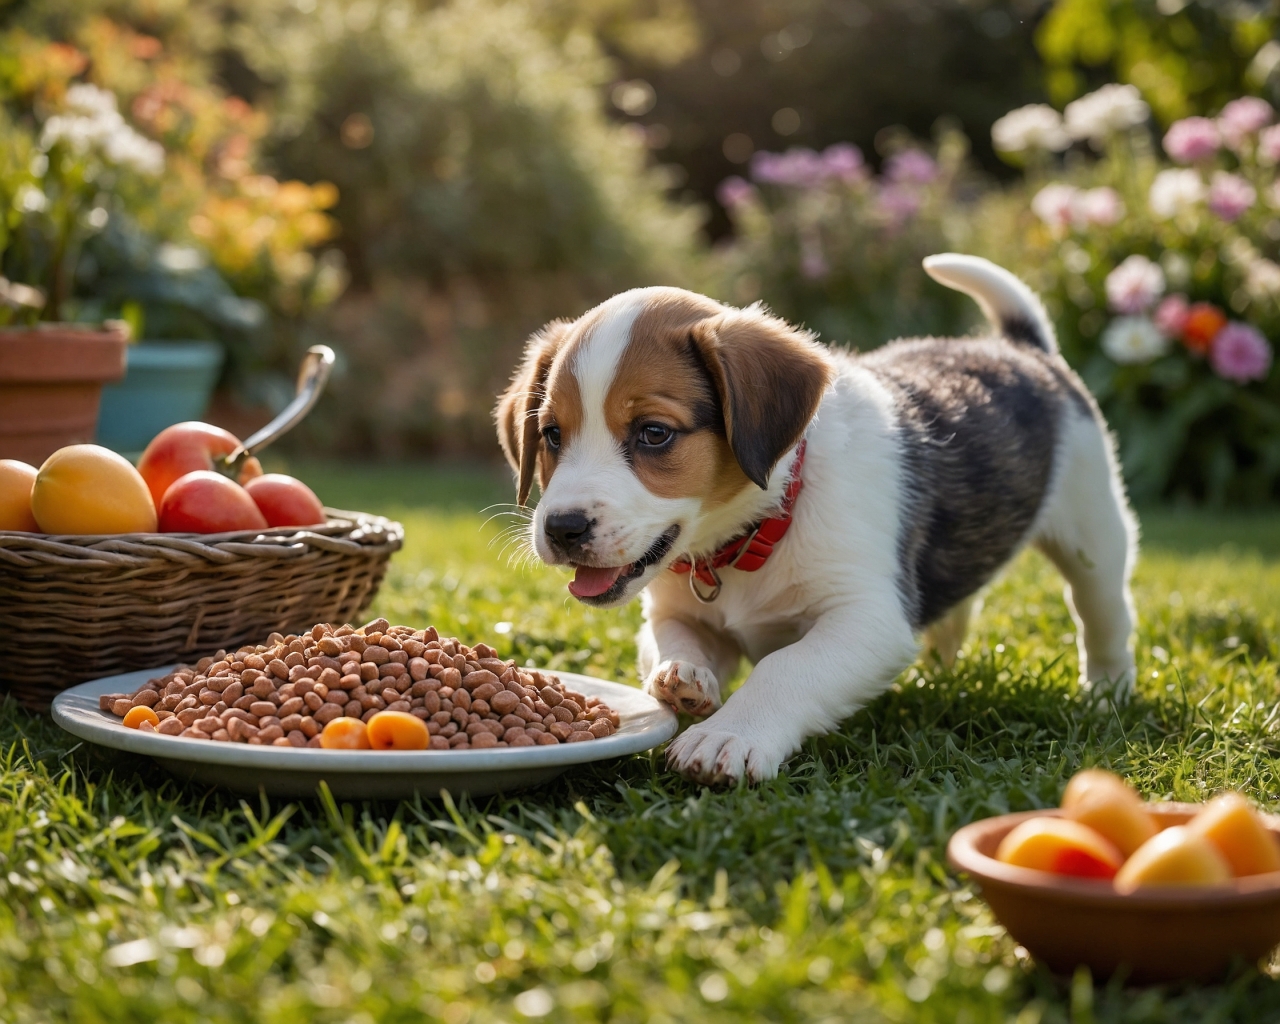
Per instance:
(589,581)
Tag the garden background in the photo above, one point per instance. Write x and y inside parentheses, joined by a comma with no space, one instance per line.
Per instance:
(420,185)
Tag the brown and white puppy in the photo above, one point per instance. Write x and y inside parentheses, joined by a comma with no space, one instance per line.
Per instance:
(662,424)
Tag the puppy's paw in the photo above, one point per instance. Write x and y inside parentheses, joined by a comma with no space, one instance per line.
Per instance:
(685,686)
(715,756)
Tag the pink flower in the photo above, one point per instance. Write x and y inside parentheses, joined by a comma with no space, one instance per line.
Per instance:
(1055,205)
(843,162)
(1269,145)
(912,166)
(1230,195)
(734,192)
(1100,206)
(1134,286)
(1192,139)
(1171,315)
(796,168)
(1241,118)
(897,204)
(1240,353)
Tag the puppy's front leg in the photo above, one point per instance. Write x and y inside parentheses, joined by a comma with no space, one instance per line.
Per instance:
(846,659)
(682,663)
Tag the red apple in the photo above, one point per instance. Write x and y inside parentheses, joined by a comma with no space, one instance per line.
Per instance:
(207,502)
(185,447)
(286,501)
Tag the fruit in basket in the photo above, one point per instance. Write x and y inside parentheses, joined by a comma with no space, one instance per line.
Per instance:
(345,734)
(1060,846)
(1109,806)
(207,502)
(16,481)
(184,448)
(397,730)
(1234,828)
(285,501)
(88,489)
(1176,856)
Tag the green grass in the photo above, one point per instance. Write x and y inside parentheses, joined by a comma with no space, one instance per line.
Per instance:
(620,892)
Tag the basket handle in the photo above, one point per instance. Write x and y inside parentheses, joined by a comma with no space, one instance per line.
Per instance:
(312,377)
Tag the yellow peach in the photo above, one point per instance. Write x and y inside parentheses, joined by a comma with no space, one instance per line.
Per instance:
(88,489)
(1111,807)
(16,481)
(1176,856)
(1232,825)
(1060,846)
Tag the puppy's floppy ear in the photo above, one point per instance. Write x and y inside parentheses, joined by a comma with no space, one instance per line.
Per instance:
(770,378)
(517,411)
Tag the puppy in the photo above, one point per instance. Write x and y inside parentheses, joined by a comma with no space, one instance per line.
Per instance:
(817,511)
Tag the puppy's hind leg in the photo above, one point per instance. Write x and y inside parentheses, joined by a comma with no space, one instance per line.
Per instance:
(1090,534)
(946,636)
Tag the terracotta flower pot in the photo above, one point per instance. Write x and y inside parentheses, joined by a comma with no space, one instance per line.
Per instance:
(51,379)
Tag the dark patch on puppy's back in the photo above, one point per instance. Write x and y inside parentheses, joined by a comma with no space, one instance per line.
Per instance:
(979,422)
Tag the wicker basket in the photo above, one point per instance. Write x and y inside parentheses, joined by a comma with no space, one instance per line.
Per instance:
(76,608)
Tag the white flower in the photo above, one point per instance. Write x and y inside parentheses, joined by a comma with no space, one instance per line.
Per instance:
(1054,205)
(1101,206)
(1133,339)
(127,148)
(1174,191)
(181,259)
(1034,126)
(91,101)
(1134,285)
(1262,279)
(1112,108)
(31,200)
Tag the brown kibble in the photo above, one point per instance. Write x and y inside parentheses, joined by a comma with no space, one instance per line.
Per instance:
(480,677)
(278,669)
(560,730)
(263,687)
(310,727)
(562,713)
(450,677)
(194,734)
(578,736)
(296,738)
(121,707)
(349,682)
(353,709)
(327,713)
(503,702)
(146,698)
(171,727)
(261,708)
(221,736)
(485,692)
(292,706)
(290,722)
(270,734)
(233,692)
(522,740)
(544,738)
(601,728)
(328,645)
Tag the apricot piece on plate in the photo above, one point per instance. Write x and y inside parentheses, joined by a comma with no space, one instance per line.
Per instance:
(1109,806)
(1233,826)
(1176,856)
(1060,846)
(345,734)
(397,730)
(134,717)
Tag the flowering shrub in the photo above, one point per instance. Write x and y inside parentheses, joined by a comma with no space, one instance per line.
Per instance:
(1161,271)
(136,194)
(827,243)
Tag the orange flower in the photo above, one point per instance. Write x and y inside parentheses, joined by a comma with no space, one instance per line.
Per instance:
(1204,321)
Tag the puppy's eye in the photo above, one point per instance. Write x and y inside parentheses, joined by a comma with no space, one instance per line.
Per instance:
(552,436)
(655,435)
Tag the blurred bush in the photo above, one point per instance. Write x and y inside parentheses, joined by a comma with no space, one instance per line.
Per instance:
(482,191)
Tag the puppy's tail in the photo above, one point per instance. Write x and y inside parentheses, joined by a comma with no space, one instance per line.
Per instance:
(1013,309)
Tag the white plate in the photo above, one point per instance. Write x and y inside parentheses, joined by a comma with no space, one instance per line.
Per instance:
(362,774)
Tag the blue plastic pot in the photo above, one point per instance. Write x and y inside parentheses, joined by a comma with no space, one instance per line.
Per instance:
(166,382)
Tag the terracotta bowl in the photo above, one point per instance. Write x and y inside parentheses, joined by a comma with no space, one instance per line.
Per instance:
(1168,933)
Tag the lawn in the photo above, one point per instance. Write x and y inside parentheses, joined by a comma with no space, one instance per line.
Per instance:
(621,892)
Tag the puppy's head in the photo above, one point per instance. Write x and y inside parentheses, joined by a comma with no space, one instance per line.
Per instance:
(644,418)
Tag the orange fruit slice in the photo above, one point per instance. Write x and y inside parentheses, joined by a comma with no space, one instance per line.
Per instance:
(1061,847)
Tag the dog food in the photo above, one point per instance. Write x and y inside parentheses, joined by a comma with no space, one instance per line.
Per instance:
(288,691)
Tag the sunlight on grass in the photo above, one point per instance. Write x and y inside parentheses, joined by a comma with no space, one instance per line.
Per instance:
(620,892)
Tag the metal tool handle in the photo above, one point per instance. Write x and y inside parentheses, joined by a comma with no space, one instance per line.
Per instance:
(312,377)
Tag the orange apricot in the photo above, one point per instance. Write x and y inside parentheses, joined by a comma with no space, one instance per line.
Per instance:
(1109,806)
(397,730)
(345,734)
(134,717)
(1233,826)
(1175,856)
(1060,846)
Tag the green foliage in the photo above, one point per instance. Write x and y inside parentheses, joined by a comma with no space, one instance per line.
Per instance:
(1185,55)
(619,892)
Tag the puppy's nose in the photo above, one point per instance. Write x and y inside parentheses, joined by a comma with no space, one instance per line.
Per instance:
(568,530)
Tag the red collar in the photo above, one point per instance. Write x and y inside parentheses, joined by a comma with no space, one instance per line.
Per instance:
(749,551)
